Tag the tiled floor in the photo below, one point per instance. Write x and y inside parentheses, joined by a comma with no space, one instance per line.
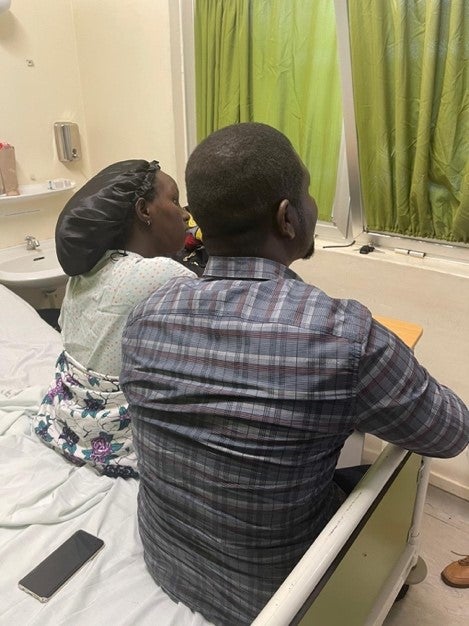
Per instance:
(445,527)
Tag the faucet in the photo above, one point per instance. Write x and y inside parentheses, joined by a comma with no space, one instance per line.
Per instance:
(31,242)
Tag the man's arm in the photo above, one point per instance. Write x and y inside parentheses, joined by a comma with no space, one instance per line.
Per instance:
(398,401)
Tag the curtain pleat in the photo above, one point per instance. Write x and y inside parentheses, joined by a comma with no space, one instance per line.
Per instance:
(410,65)
(275,62)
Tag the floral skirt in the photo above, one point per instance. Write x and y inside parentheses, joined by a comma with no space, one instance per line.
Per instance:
(84,416)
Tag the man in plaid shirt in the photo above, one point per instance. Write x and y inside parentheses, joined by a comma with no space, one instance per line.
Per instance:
(243,386)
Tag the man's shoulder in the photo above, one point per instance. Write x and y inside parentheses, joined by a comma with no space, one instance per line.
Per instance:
(284,302)
(343,317)
(167,295)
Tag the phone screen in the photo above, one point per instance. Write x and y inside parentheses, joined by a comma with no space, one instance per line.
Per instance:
(47,578)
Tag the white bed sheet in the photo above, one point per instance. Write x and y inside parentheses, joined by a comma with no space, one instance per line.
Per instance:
(44,499)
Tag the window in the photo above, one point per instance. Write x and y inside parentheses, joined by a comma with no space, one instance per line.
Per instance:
(399,166)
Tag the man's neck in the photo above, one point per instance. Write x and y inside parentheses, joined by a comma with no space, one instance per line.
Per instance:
(267,251)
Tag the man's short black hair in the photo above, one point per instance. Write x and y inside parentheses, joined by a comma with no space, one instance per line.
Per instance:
(237,177)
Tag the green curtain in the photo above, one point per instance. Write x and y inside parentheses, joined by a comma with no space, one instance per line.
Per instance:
(410,62)
(273,61)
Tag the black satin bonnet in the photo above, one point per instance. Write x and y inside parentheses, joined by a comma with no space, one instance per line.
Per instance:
(95,218)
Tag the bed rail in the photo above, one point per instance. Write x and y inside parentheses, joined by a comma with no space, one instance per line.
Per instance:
(358,563)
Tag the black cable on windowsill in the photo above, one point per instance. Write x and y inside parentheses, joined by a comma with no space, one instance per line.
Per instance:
(347,245)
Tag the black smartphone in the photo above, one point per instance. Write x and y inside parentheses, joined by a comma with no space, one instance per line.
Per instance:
(54,571)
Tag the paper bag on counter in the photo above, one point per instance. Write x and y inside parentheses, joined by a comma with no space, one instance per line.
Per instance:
(8,180)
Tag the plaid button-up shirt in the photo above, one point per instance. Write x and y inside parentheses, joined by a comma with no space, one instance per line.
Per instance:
(243,387)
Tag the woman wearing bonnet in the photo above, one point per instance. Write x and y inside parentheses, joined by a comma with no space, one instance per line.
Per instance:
(114,238)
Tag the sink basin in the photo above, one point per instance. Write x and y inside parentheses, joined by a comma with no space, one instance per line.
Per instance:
(31,268)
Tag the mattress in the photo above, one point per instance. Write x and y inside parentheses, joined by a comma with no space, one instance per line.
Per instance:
(45,499)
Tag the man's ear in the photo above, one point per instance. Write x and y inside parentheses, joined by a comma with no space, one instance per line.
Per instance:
(284,219)
(141,210)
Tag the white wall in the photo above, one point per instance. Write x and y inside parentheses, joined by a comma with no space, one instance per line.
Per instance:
(124,61)
(431,293)
(105,65)
(32,99)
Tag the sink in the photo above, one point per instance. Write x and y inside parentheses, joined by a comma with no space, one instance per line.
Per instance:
(31,268)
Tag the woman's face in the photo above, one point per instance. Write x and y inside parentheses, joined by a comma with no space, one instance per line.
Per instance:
(168,220)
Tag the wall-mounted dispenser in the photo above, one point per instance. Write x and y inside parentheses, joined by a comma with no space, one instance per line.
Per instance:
(67,140)
(4,5)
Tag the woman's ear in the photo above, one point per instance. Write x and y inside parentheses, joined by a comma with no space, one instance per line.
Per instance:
(284,219)
(141,210)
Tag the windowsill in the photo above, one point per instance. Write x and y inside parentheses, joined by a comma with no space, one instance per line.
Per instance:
(388,255)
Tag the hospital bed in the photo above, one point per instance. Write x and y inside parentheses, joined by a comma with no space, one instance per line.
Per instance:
(354,569)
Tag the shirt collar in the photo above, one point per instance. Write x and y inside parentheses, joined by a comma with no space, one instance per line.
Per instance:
(252,268)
